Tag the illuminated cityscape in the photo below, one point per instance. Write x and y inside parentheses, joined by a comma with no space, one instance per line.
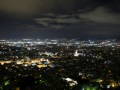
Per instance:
(59,64)
(59,44)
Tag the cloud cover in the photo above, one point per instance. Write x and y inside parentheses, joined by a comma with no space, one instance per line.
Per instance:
(60,18)
(30,8)
(101,15)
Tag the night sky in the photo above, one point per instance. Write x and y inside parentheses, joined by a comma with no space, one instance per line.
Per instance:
(82,19)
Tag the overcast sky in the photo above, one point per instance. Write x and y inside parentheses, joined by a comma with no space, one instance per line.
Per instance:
(83,19)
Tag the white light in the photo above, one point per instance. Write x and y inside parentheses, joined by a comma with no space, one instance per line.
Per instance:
(108,86)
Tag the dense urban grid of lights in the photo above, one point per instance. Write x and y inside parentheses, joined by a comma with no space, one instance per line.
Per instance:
(59,64)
